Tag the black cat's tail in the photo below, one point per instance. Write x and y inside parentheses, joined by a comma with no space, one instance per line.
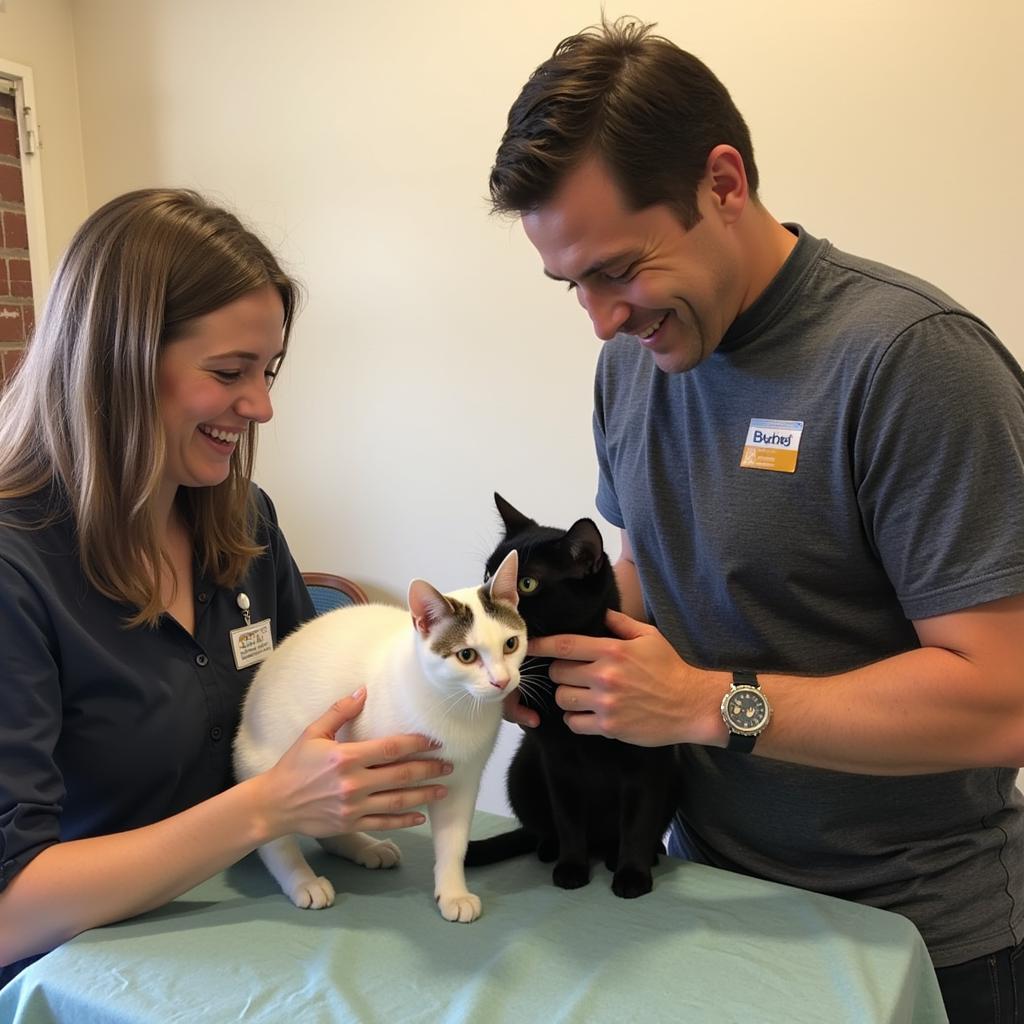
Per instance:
(501,847)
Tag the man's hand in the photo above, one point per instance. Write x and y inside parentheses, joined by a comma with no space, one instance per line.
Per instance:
(631,687)
(518,713)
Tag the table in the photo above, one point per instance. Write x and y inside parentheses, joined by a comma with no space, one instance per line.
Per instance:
(705,945)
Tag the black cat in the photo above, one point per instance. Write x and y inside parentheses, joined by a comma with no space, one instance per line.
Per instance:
(576,797)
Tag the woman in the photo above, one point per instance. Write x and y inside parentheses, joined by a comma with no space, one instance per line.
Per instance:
(129,531)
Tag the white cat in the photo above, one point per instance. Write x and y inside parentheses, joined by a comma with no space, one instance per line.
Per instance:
(444,675)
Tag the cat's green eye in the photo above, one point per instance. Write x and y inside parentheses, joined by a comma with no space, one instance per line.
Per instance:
(467,655)
(511,644)
(527,584)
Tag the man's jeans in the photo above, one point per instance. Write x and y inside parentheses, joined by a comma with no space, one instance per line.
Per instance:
(986,989)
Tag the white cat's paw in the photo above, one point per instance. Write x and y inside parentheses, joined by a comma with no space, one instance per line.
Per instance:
(383,854)
(460,906)
(314,895)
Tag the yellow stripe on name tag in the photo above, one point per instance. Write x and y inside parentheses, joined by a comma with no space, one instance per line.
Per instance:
(772,445)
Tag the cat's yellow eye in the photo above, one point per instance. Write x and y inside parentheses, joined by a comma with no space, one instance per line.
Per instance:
(527,584)
(467,655)
(511,644)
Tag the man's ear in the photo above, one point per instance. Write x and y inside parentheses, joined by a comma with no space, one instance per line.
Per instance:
(728,179)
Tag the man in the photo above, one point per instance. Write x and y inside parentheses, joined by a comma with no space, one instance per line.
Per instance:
(817,463)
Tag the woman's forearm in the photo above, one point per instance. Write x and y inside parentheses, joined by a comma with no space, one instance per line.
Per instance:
(81,884)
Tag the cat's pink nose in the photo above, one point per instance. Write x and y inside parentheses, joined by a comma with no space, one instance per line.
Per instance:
(500,682)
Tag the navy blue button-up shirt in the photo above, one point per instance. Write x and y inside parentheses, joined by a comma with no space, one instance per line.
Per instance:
(104,728)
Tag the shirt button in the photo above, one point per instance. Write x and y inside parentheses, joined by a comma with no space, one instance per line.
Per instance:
(201,597)
(216,732)
(202,660)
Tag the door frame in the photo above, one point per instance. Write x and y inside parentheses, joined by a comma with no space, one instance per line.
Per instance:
(31,175)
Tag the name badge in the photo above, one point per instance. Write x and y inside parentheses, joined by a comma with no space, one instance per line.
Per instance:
(251,644)
(772,445)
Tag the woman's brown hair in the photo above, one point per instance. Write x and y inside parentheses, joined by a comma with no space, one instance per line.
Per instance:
(82,415)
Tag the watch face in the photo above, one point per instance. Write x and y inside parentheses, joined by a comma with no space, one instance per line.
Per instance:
(745,710)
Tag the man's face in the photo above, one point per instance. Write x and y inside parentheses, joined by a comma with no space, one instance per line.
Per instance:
(641,273)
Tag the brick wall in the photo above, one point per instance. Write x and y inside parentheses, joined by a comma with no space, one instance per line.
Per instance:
(17,313)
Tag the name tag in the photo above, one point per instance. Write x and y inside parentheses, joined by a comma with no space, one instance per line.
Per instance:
(772,445)
(251,644)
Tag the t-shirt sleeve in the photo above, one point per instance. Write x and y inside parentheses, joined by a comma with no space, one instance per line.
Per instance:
(31,785)
(939,466)
(607,501)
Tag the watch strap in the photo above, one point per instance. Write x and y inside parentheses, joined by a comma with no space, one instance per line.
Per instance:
(738,742)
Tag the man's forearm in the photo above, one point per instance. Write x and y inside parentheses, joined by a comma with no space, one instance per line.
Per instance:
(953,703)
(923,711)
(629,589)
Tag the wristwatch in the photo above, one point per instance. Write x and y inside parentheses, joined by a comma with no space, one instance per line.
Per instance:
(745,711)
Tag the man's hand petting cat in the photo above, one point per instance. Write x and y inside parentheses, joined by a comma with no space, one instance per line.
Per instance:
(323,787)
(516,712)
(632,687)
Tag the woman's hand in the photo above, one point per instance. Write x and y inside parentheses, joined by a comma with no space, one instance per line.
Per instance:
(323,787)
(320,787)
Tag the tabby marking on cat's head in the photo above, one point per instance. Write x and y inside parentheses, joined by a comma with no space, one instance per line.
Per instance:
(472,639)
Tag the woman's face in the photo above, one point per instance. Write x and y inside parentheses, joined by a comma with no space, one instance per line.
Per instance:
(215,380)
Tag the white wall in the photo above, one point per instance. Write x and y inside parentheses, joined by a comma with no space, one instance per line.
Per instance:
(433,363)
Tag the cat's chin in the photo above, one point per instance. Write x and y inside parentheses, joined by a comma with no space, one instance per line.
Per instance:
(492,695)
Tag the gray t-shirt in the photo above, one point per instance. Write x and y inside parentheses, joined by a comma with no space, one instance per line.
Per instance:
(907,501)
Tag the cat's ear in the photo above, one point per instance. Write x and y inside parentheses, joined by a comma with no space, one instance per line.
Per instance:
(504,584)
(513,519)
(428,606)
(585,545)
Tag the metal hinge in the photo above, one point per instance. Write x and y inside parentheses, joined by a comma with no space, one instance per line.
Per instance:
(31,130)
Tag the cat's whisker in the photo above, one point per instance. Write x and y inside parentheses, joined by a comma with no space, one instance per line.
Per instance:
(452,704)
(537,694)
(452,701)
(535,677)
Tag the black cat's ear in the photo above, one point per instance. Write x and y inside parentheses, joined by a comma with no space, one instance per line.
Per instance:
(513,519)
(585,544)
(428,606)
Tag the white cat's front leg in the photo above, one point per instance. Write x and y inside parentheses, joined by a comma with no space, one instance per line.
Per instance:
(450,820)
(285,862)
(362,849)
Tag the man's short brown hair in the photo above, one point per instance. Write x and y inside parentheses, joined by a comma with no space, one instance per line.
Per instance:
(648,110)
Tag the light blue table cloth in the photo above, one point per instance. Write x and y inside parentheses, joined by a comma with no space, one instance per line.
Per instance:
(704,946)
